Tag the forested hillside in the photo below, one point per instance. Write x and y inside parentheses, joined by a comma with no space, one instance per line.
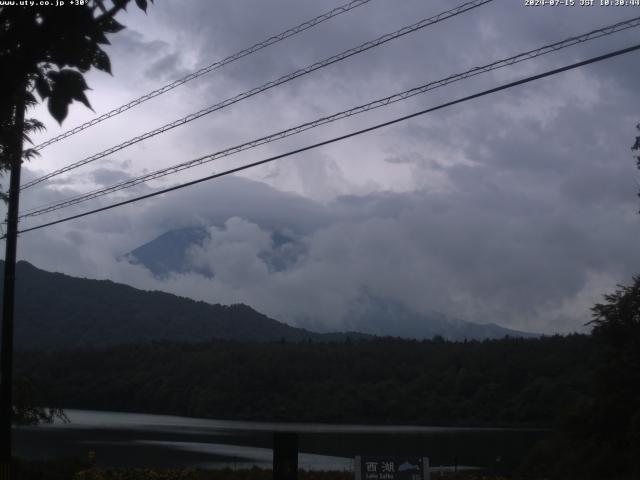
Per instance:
(498,382)
(56,311)
(59,311)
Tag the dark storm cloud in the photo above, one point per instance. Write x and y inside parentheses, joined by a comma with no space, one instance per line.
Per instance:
(486,254)
(229,27)
(167,68)
(519,208)
(107,176)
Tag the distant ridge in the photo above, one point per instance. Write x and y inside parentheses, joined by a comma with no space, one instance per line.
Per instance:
(168,254)
(56,311)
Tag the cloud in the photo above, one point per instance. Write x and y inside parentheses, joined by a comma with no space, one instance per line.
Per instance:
(518,208)
(231,253)
(107,176)
(484,254)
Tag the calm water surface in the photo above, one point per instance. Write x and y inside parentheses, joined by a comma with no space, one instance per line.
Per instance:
(141,440)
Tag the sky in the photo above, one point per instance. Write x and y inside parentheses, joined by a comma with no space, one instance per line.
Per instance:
(519,208)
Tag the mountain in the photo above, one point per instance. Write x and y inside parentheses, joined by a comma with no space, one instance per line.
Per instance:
(167,253)
(172,252)
(54,310)
(384,317)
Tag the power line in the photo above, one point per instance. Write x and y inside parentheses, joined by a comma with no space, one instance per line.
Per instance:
(209,68)
(340,138)
(274,83)
(601,32)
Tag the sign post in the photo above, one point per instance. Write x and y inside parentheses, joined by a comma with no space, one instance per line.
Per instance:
(285,456)
(392,468)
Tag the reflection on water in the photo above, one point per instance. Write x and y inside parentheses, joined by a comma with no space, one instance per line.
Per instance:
(141,440)
(93,419)
(247,457)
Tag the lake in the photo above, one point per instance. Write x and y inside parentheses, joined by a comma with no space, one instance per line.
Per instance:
(142,440)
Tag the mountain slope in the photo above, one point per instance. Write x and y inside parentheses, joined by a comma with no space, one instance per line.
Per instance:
(384,317)
(169,254)
(54,310)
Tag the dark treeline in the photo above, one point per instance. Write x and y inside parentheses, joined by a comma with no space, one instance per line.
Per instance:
(508,382)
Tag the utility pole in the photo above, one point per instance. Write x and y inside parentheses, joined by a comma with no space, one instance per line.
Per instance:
(6,355)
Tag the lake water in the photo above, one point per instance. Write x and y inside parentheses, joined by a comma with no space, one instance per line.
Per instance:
(141,440)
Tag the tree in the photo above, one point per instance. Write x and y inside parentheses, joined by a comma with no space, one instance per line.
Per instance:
(616,412)
(27,404)
(44,50)
(636,149)
(599,435)
(609,427)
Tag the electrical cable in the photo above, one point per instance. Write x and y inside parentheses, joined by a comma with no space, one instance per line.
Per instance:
(274,83)
(340,138)
(604,31)
(209,68)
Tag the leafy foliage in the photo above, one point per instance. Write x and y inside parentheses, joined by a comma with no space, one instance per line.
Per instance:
(48,469)
(46,51)
(7,135)
(616,410)
(636,146)
(600,435)
(636,149)
(27,404)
